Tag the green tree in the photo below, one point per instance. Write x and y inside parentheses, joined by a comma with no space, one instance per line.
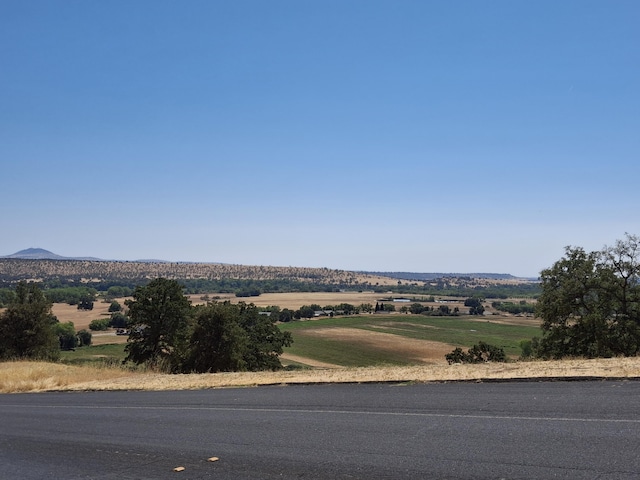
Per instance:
(366,307)
(84,338)
(475,305)
(572,307)
(85,303)
(387,307)
(347,308)
(159,318)
(590,303)
(307,311)
(7,295)
(218,342)
(286,315)
(416,308)
(99,325)
(118,320)
(115,307)
(117,291)
(66,335)
(227,337)
(27,327)
(265,339)
(526,347)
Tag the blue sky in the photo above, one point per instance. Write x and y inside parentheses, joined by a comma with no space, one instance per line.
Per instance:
(463,136)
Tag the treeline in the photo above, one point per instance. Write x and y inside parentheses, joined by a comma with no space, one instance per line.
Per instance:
(82,296)
(515,308)
(444,288)
(70,295)
(68,292)
(238,279)
(62,291)
(413,276)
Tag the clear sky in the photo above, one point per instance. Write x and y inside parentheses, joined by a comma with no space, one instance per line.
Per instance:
(426,136)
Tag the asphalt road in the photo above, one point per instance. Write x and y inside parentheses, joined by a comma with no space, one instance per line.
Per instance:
(559,430)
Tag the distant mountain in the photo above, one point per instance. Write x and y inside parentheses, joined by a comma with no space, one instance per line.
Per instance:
(424,277)
(42,254)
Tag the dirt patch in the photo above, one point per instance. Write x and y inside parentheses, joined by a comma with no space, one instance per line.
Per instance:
(80,318)
(306,361)
(511,320)
(389,325)
(102,338)
(422,351)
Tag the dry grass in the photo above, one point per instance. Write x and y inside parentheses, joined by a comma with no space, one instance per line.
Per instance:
(80,318)
(107,338)
(23,376)
(40,377)
(295,300)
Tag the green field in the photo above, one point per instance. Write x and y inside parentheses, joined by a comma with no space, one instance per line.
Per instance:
(108,354)
(460,331)
(457,331)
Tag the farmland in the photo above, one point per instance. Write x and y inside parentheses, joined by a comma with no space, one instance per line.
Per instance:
(359,348)
(380,341)
(369,340)
(356,340)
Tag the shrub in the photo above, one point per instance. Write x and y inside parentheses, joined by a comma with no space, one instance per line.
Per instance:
(84,338)
(100,324)
(114,307)
(85,304)
(118,320)
(66,335)
(480,353)
(527,349)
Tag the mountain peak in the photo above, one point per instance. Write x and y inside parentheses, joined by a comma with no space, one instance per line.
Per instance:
(35,254)
(42,254)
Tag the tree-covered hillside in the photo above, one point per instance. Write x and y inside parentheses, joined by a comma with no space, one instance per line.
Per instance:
(242,279)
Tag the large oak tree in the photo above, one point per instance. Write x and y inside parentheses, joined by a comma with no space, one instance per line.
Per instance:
(590,302)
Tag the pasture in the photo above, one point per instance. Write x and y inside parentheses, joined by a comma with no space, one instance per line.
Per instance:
(363,340)
(399,339)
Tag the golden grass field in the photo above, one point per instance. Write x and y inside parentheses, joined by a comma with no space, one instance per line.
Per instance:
(25,376)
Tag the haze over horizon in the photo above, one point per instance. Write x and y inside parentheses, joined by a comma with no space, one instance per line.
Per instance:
(378,136)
